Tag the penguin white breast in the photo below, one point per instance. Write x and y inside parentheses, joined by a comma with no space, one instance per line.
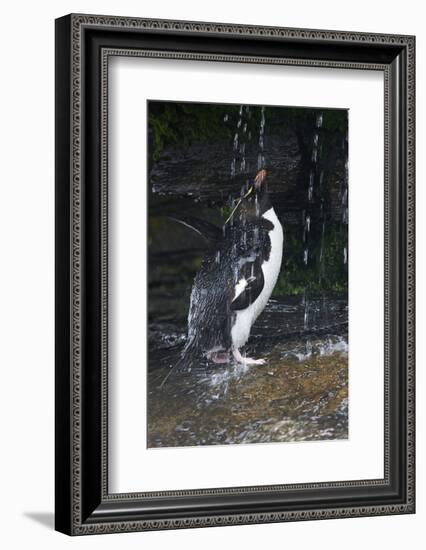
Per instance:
(245,318)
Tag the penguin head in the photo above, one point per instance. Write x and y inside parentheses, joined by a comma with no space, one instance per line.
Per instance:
(260,180)
(253,203)
(256,201)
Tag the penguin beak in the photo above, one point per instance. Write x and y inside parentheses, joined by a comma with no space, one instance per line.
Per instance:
(260,178)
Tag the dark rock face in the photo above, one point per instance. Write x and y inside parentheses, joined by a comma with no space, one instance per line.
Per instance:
(201,172)
(202,157)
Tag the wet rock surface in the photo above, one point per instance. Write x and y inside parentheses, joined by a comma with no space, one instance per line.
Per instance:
(300,394)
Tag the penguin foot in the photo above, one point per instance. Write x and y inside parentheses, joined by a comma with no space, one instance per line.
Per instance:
(251,361)
(218,357)
(246,360)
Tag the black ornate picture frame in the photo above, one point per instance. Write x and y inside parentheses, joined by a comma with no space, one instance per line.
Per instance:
(84,43)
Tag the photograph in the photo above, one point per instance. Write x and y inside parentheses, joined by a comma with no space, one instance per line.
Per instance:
(234,261)
(247,274)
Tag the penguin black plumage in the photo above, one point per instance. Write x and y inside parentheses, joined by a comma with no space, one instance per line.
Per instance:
(236,277)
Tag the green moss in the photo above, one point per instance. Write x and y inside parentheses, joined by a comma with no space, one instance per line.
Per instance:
(328,275)
(184,123)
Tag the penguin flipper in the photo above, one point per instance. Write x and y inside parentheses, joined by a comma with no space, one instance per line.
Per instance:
(251,282)
(209,231)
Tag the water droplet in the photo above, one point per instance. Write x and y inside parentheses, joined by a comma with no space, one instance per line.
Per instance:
(225,118)
(345,215)
(305,256)
(256,235)
(319,120)
(236,141)
(308,223)
(322,241)
(306,313)
(233,168)
(345,255)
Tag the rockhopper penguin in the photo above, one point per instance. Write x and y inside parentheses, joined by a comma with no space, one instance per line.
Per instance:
(236,277)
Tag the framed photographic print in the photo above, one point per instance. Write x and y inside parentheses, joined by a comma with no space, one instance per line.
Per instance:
(234,274)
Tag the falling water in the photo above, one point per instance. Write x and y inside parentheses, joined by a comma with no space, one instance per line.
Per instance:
(241,142)
(236,142)
(256,235)
(233,163)
(261,142)
(345,193)
(315,179)
(321,255)
(305,256)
